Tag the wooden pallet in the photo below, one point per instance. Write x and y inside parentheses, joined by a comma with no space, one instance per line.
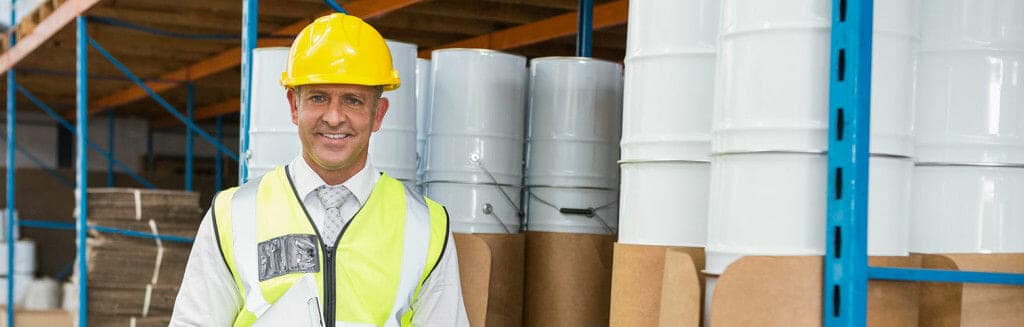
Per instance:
(30,22)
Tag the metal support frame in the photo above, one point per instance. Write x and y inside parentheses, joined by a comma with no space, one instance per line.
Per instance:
(190,108)
(82,164)
(250,24)
(846,256)
(11,146)
(585,22)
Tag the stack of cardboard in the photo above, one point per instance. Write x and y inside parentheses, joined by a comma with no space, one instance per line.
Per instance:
(133,280)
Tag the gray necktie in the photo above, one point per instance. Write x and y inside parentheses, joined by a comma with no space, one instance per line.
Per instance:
(332,197)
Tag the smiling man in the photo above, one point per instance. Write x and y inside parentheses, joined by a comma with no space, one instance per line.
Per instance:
(326,240)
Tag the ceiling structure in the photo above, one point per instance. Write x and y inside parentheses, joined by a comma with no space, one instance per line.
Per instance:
(44,60)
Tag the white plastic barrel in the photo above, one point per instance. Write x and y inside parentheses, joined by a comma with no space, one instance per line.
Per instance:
(475,136)
(24,257)
(773,77)
(422,113)
(958,209)
(664,203)
(774,204)
(273,138)
(21,285)
(574,112)
(970,90)
(670,66)
(393,147)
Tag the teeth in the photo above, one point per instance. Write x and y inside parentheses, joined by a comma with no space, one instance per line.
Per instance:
(335,136)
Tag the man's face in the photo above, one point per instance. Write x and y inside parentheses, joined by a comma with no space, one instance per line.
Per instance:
(335,122)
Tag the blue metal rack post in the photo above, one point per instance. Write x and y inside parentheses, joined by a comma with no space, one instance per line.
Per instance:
(82,165)
(585,28)
(250,24)
(11,145)
(846,267)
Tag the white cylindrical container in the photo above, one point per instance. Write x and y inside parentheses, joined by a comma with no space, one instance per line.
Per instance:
(422,113)
(393,147)
(69,297)
(21,284)
(670,66)
(774,204)
(575,106)
(970,87)
(24,257)
(475,138)
(664,203)
(273,138)
(773,77)
(478,105)
(43,294)
(478,208)
(963,209)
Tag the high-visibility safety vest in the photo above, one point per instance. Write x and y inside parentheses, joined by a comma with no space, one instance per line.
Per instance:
(369,277)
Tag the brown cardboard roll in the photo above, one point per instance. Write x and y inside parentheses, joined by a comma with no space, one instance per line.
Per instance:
(491,268)
(638,273)
(568,279)
(984,305)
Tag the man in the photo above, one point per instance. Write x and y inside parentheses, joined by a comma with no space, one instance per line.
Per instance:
(326,240)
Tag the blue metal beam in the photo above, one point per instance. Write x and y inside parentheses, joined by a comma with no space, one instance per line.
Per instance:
(944,276)
(57,225)
(189,108)
(82,164)
(160,100)
(11,145)
(585,28)
(71,128)
(336,6)
(250,24)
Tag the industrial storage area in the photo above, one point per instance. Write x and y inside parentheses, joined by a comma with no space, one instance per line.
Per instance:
(538,163)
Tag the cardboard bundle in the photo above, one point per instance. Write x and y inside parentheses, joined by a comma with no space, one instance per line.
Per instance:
(132,280)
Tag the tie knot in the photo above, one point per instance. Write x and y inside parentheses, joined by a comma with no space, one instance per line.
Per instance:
(333,196)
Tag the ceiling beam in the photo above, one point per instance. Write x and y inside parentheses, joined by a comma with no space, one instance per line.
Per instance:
(231,58)
(605,15)
(52,24)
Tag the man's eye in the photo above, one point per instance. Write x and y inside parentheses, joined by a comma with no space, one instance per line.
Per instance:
(353,101)
(318,99)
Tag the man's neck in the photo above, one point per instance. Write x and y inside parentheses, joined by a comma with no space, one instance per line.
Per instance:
(335,177)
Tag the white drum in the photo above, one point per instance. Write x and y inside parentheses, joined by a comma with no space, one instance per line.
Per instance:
(273,138)
(478,105)
(422,113)
(664,203)
(24,257)
(669,74)
(393,147)
(575,106)
(775,204)
(573,210)
(21,285)
(478,208)
(773,74)
(958,209)
(970,91)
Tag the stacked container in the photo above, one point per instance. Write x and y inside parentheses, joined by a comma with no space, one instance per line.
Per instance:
(770,127)
(273,138)
(474,162)
(969,180)
(422,113)
(393,148)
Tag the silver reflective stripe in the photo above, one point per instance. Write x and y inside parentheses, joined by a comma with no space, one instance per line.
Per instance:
(292,253)
(243,221)
(414,253)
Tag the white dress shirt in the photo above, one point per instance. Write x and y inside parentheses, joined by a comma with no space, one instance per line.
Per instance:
(209,296)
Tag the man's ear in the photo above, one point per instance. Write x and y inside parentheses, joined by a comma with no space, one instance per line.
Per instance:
(293,104)
(382,109)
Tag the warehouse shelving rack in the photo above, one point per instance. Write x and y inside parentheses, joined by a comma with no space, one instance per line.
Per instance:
(846,257)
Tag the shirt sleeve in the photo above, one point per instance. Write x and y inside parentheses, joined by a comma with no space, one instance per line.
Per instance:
(208,295)
(440,300)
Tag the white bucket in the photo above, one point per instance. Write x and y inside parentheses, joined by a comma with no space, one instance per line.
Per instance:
(573,210)
(393,147)
(478,106)
(42,294)
(422,113)
(21,284)
(478,208)
(773,73)
(775,204)
(575,106)
(669,74)
(24,257)
(664,203)
(273,138)
(971,82)
(959,209)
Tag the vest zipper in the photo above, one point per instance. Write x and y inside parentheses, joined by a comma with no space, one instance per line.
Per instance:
(329,287)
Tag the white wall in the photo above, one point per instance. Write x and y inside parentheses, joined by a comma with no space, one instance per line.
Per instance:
(36,134)
(129,142)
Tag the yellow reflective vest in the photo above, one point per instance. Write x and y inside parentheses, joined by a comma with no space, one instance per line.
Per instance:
(369,277)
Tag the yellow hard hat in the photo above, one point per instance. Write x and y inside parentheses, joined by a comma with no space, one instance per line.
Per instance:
(340,49)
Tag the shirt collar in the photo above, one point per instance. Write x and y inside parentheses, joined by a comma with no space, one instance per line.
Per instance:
(307,181)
